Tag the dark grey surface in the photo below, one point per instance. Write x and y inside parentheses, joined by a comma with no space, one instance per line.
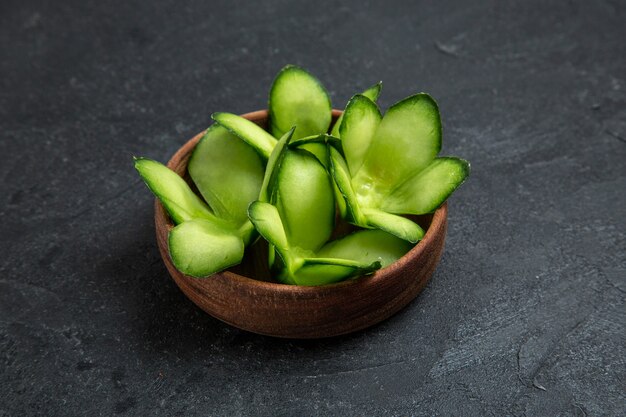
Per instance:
(525,314)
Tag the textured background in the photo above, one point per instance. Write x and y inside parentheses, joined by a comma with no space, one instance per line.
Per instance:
(525,314)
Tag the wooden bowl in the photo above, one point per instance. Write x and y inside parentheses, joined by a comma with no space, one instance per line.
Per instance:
(243,297)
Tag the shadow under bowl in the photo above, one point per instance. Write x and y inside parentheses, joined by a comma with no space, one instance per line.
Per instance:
(245,298)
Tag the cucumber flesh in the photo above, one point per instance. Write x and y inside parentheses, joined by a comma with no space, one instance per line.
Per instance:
(361,120)
(201,248)
(372,93)
(228,173)
(396,225)
(179,200)
(324,139)
(367,246)
(250,132)
(304,198)
(341,176)
(320,271)
(271,170)
(427,190)
(406,141)
(298,99)
(267,221)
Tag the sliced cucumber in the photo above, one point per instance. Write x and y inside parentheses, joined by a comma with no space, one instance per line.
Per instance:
(341,176)
(228,173)
(305,200)
(267,221)
(320,271)
(298,99)
(201,248)
(322,139)
(426,191)
(367,246)
(396,225)
(372,93)
(361,119)
(175,194)
(271,170)
(406,141)
(250,132)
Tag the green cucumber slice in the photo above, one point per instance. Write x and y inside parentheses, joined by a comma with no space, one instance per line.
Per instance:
(298,99)
(372,93)
(321,271)
(250,132)
(201,248)
(406,141)
(361,119)
(341,175)
(396,225)
(427,190)
(271,170)
(228,173)
(267,221)
(304,198)
(179,200)
(367,246)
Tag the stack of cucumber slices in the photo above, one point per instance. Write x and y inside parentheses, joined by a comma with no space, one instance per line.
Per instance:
(291,183)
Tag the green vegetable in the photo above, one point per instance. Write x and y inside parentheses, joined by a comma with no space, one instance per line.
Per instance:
(248,131)
(390,164)
(297,218)
(298,99)
(200,248)
(177,197)
(229,175)
(372,93)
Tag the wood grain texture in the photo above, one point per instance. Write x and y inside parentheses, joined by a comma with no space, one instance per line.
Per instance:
(289,311)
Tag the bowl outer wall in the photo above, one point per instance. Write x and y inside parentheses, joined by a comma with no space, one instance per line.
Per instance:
(299,312)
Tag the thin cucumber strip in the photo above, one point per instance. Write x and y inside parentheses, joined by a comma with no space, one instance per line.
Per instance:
(271,170)
(407,139)
(323,138)
(372,93)
(341,175)
(250,132)
(201,248)
(298,99)
(304,199)
(228,173)
(267,221)
(321,271)
(361,119)
(396,225)
(179,200)
(367,246)
(426,191)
